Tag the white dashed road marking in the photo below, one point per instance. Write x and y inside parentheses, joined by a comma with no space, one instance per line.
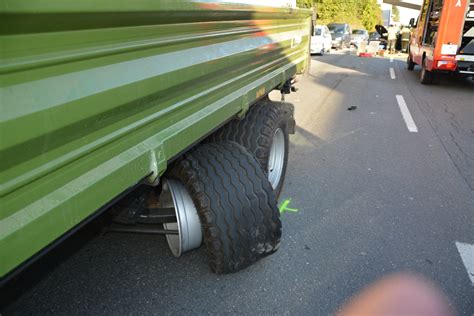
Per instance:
(392,73)
(467,255)
(406,114)
(391,59)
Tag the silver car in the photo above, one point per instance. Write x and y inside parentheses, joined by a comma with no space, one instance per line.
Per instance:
(359,36)
(341,35)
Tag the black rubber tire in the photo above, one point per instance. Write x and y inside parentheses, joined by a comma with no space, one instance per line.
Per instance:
(236,204)
(427,77)
(410,63)
(255,132)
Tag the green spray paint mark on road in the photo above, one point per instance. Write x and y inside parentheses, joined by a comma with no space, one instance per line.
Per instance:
(284,207)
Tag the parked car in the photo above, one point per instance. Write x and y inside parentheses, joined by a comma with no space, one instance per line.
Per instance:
(374,36)
(379,36)
(341,35)
(321,40)
(359,36)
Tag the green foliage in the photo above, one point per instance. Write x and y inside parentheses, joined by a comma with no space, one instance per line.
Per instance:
(396,13)
(305,3)
(358,13)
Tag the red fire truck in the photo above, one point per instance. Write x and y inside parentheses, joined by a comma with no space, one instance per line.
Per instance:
(442,40)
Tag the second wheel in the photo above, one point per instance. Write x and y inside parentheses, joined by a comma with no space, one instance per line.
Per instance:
(264,133)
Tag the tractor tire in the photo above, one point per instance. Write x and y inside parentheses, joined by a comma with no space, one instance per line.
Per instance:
(265,127)
(235,202)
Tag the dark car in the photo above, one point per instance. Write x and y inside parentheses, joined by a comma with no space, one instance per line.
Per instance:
(341,35)
(374,36)
(380,36)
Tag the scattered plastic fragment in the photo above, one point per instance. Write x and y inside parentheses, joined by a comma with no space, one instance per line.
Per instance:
(284,207)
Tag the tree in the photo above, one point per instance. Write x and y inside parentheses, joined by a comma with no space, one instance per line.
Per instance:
(396,13)
(358,13)
(305,3)
(371,14)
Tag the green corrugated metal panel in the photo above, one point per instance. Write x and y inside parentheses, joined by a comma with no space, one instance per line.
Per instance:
(97,95)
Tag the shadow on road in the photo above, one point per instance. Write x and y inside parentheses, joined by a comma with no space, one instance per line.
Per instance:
(40,269)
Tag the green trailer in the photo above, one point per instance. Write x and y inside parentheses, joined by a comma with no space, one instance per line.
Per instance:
(103,99)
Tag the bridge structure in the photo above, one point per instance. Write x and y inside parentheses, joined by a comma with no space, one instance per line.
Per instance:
(405,4)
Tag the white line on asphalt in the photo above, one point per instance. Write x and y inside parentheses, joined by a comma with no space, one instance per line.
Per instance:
(467,255)
(392,73)
(391,59)
(406,114)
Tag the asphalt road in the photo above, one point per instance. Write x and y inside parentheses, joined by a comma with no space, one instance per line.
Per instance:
(373,199)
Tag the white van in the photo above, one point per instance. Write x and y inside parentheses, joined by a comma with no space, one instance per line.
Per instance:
(321,40)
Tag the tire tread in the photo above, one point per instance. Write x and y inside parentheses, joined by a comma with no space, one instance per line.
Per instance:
(255,131)
(236,204)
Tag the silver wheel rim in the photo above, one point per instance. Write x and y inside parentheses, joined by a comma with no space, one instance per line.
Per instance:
(276,160)
(189,237)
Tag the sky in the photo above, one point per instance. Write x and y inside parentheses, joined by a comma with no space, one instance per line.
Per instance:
(406,14)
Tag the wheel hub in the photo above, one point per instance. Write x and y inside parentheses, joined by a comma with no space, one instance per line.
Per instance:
(276,160)
(188,225)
